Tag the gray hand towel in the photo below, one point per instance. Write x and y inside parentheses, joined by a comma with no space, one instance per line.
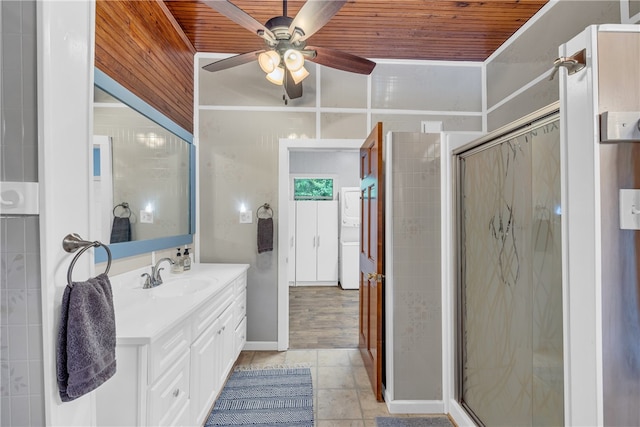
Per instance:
(86,353)
(121,230)
(265,235)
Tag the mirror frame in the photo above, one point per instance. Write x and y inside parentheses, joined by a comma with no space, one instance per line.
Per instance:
(137,247)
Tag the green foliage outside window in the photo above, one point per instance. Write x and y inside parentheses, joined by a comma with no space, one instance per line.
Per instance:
(313,188)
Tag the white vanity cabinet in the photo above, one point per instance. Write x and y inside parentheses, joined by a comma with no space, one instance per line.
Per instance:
(172,378)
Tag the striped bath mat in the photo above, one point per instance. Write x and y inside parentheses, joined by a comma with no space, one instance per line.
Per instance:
(265,397)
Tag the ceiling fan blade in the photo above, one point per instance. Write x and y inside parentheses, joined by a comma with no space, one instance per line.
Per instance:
(240,17)
(233,61)
(341,60)
(293,90)
(313,15)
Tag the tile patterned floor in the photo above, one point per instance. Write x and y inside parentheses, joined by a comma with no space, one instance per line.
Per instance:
(343,396)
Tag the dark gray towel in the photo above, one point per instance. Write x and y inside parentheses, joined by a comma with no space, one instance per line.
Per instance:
(86,353)
(265,235)
(121,230)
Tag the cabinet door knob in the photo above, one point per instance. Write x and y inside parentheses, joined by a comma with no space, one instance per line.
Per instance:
(176,392)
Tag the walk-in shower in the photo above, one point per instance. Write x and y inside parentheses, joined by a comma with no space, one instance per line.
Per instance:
(510,324)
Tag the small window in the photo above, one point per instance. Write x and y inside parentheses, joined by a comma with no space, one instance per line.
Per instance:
(313,189)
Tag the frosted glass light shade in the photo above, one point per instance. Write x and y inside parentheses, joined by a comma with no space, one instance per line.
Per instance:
(299,75)
(269,61)
(276,76)
(293,59)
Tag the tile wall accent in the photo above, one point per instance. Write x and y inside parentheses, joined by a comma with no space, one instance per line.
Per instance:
(416,282)
(21,360)
(21,375)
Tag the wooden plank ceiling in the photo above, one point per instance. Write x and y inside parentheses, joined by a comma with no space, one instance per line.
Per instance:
(468,30)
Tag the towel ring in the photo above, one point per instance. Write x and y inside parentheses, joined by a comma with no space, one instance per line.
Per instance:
(265,210)
(125,206)
(72,242)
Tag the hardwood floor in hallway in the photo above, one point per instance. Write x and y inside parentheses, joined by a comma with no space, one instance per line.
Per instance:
(323,317)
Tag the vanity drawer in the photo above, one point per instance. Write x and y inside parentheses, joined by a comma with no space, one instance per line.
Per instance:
(164,352)
(240,337)
(240,283)
(240,307)
(169,396)
(206,315)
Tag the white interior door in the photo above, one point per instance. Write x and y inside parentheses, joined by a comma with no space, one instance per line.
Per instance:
(291,257)
(306,236)
(327,241)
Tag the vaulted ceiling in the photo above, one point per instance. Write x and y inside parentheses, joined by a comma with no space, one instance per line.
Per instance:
(468,30)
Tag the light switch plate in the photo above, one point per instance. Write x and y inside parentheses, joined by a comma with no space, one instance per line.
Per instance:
(629,209)
(246,217)
(146,217)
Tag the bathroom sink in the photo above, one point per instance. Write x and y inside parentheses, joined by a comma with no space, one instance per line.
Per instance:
(180,287)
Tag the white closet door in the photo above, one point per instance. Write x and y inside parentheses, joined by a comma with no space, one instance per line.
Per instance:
(306,237)
(327,241)
(291,257)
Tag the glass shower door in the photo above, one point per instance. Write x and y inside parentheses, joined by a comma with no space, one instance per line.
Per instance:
(510,287)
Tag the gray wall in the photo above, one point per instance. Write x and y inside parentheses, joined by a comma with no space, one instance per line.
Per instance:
(21,360)
(241,118)
(532,54)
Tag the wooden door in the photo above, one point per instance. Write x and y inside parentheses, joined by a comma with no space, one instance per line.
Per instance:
(371,342)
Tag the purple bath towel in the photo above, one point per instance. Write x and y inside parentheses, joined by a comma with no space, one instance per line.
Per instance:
(86,353)
(265,235)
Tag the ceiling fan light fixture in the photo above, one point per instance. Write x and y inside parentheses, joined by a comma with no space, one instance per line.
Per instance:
(269,61)
(276,76)
(299,75)
(294,60)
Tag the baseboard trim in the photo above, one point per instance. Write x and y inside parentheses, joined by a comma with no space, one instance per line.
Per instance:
(261,346)
(459,415)
(415,406)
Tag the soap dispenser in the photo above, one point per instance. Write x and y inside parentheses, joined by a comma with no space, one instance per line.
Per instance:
(178,266)
(186,260)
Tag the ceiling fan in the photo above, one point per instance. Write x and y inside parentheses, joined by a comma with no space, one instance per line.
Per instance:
(286,48)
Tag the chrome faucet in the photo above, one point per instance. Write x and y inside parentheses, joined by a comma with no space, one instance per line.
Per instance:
(154,279)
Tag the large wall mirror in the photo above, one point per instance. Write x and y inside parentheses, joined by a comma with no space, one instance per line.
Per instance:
(144,175)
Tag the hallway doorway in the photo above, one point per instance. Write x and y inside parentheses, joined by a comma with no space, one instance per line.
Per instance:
(313,316)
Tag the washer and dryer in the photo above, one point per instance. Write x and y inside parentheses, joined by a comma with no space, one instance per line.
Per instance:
(349,237)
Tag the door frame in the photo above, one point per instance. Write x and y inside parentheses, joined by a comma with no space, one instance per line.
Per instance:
(286,146)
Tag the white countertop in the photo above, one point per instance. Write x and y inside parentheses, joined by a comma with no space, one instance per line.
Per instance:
(141,317)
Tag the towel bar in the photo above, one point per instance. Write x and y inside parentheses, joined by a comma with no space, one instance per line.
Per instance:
(72,242)
(267,211)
